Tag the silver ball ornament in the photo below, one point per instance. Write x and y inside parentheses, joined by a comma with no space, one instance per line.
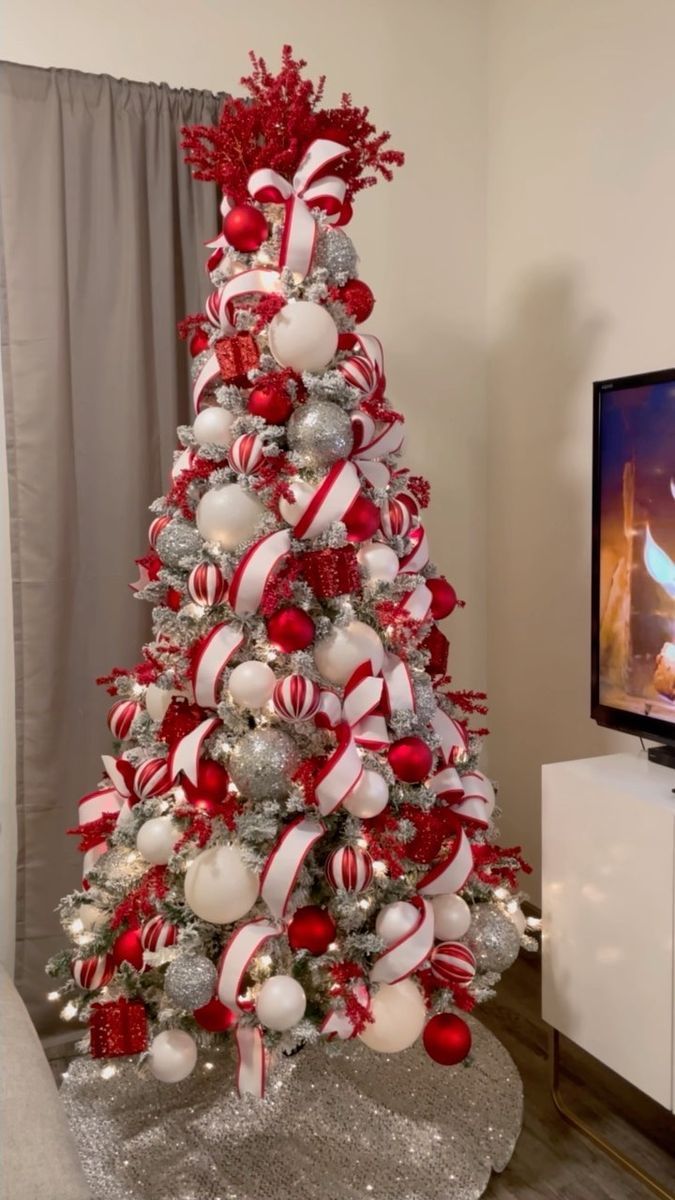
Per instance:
(336,252)
(190,981)
(493,937)
(180,540)
(262,763)
(321,433)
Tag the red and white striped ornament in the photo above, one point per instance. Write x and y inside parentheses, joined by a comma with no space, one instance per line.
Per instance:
(121,717)
(156,527)
(158,933)
(452,962)
(296,698)
(246,453)
(207,585)
(396,517)
(152,778)
(94,972)
(349,868)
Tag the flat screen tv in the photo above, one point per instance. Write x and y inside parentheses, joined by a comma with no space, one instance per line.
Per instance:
(633,585)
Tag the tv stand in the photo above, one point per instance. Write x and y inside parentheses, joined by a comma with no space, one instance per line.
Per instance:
(663,755)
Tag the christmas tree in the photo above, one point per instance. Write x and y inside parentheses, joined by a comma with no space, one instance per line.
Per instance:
(292,839)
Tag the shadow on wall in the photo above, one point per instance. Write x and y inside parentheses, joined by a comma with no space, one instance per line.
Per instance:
(540,373)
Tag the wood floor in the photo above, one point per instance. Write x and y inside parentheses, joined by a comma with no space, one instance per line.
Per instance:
(552,1161)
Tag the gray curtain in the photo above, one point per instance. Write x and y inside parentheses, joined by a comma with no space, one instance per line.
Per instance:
(101,237)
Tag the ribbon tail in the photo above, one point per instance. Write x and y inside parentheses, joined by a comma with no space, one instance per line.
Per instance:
(252,1064)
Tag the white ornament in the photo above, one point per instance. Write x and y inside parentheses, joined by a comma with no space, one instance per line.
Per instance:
(452,917)
(251,684)
(395,920)
(369,797)
(92,918)
(281,1003)
(378,561)
(303,336)
(399,1014)
(213,426)
(228,515)
(157,700)
(172,1055)
(156,838)
(219,886)
(338,655)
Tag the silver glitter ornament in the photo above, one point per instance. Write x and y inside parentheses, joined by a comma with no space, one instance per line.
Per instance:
(321,433)
(178,541)
(493,937)
(336,252)
(262,763)
(388,1126)
(190,981)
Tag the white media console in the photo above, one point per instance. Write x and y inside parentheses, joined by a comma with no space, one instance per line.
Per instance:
(609,914)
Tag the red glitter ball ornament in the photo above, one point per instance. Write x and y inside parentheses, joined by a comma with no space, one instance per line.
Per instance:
(128,948)
(438,647)
(245,228)
(212,782)
(290,628)
(443,597)
(311,928)
(215,1017)
(271,402)
(362,519)
(199,342)
(447,1039)
(428,838)
(410,759)
(357,298)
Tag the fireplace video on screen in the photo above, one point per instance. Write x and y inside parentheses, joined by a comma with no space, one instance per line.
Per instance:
(636,546)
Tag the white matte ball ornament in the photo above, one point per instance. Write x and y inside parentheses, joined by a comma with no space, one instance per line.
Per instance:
(338,655)
(172,1056)
(155,840)
(213,426)
(251,684)
(228,515)
(452,917)
(281,1003)
(370,796)
(395,920)
(378,561)
(303,336)
(219,886)
(399,1014)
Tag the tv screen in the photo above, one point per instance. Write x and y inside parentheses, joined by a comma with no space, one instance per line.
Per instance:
(633,646)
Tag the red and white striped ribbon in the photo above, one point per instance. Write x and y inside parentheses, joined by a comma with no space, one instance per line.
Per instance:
(305,192)
(336,1023)
(398,693)
(219,308)
(362,697)
(234,961)
(376,473)
(254,569)
(418,556)
(447,785)
(331,500)
(477,800)
(417,603)
(211,659)
(452,736)
(119,773)
(451,874)
(341,773)
(90,808)
(284,863)
(409,952)
(185,755)
(251,1073)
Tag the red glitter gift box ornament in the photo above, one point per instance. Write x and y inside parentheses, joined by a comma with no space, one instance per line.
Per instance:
(236,356)
(117,1028)
(331,572)
(438,647)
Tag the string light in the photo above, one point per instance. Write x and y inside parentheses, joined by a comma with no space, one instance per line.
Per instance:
(69,1011)
(379,867)
(108,1072)
(77,926)
(53,996)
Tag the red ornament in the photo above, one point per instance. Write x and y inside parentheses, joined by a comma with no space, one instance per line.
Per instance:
(94,972)
(296,698)
(290,629)
(357,298)
(271,402)
(173,599)
(117,1027)
(121,717)
(215,1017)
(212,782)
(311,928)
(447,1039)
(396,517)
(237,355)
(362,519)
(199,342)
(331,572)
(156,527)
(246,453)
(211,808)
(438,648)
(443,597)
(207,585)
(128,948)
(410,759)
(428,837)
(245,228)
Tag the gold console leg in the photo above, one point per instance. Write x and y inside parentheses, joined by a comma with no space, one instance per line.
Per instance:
(606,1147)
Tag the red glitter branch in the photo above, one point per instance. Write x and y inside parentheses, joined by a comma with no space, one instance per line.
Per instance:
(188,324)
(420,488)
(141,901)
(490,865)
(200,468)
(93,832)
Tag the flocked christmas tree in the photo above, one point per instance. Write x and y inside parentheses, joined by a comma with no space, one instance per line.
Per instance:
(292,839)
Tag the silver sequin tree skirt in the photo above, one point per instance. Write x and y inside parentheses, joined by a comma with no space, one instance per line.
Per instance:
(344,1126)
